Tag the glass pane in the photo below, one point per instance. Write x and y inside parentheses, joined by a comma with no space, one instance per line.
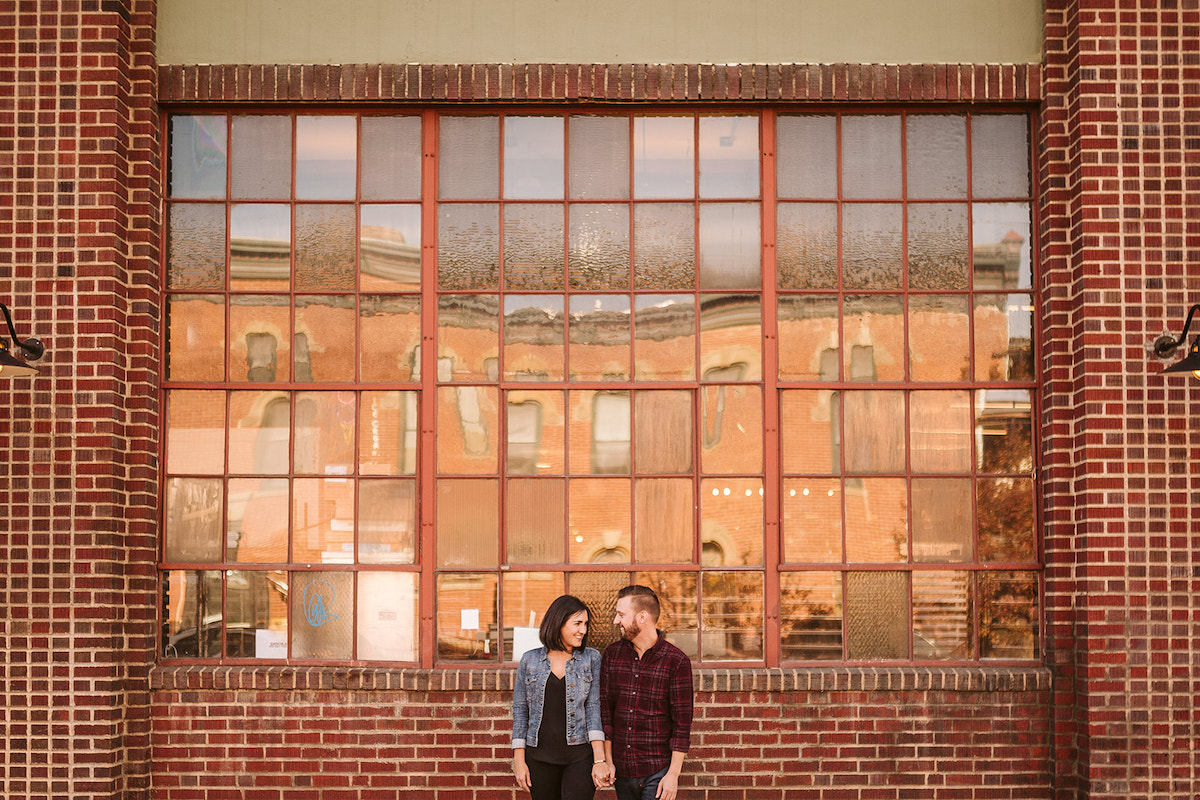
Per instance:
(598,252)
(939,332)
(533,246)
(534,426)
(389,338)
(468,425)
(195,432)
(876,521)
(731,522)
(192,525)
(942,611)
(199,150)
(937,246)
(324,433)
(872,246)
(810,433)
(1008,615)
(389,243)
(259,433)
(192,614)
(874,337)
(664,332)
(599,591)
(391,158)
(260,247)
(874,431)
(527,595)
(468,337)
(598,346)
(1000,155)
(731,438)
(534,515)
(937,155)
(941,520)
(534,346)
(876,615)
(677,593)
(730,246)
(195,337)
(732,612)
(871,156)
(324,343)
(663,524)
(468,158)
(940,431)
(599,433)
(1006,519)
(468,523)
(731,337)
(387,434)
(812,520)
(663,432)
(811,616)
(387,522)
(664,246)
(599,157)
(322,614)
(807,245)
(600,520)
(1004,431)
(323,521)
(387,616)
(729,159)
(196,247)
(807,160)
(466,617)
(325,248)
(1004,337)
(261,161)
(664,157)
(533,158)
(326,157)
(468,246)
(807,330)
(256,614)
(256,520)
(1000,255)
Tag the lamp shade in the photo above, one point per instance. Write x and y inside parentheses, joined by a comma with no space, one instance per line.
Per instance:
(11,366)
(1190,362)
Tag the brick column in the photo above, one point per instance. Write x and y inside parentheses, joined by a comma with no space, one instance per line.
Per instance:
(79,185)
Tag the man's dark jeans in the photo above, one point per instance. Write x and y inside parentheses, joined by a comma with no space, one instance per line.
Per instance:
(638,788)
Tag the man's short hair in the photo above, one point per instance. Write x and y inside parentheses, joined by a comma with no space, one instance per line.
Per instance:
(642,598)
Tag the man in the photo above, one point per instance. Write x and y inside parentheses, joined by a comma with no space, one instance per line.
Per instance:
(645,701)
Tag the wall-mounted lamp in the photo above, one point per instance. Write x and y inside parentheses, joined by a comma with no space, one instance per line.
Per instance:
(29,350)
(1164,346)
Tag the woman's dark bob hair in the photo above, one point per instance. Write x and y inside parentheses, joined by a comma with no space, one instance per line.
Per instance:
(561,610)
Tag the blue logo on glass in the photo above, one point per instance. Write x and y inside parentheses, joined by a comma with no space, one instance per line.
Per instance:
(318,599)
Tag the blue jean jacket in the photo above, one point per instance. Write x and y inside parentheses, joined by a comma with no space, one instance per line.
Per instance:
(583,697)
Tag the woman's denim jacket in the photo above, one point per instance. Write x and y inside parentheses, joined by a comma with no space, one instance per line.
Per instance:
(583,697)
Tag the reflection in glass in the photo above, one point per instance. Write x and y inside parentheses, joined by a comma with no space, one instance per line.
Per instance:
(936,162)
(598,251)
(732,613)
(192,524)
(732,432)
(1000,155)
(1004,430)
(1008,615)
(730,246)
(664,157)
(324,438)
(192,614)
(387,521)
(873,343)
(940,431)
(387,433)
(468,429)
(812,520)
(389,244)
(466,617)
(876,615)
(256,520)
(677,592)
(260,243)
(937,246)
(874,437)
(939,333)
(599,338)
(195,337)
(195,432)
(942,610)
(322,612)
(259,433)
(387,616)
(199,149)
(468,523)
(664,246)
(811,616)
(389,338)
(325,248)
(256,614)
(324,340)
(259,338)
(1006,530)
(533,337)
(323,520)
(807,330)
(941,520)
(599,433)
(729,156)
(391,158)
(872,245)
(468,337)
(664,335)
(807,245)
(468,246)
(810,431)
(1001,246)
(533,246)
(731,337)
(871,156)
(663,523)
(599,159)
(326,157)
(1004,337)
(599,520)
(806,165)
(527,595)
(534,514)
(876,521)
(196,246)
(533,158)
(260,165)
(534,426)
(731,521)
(468,157)
(663,432)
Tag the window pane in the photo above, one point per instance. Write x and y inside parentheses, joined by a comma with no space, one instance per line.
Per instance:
(663,527)
(936,155)
(941,520)
(876,521)
(259,338)
(732,613)
(195,337)
(811,616)
(325,248)
(468,246)
(1004,430)
(389,243)
(729,156)
(677,592)
(876,615)
(322,614)
(195,432)
(806,164)
(534,424)
(731,337)
(871,156)
(807,327)
(599,338)
(324,343)
(731,437)
(468,157)
(599,591)
(387,522)
(466,617)
(192,529)
(874,431)
(196,247)
(1000,155)
(939,333)
(600,521)
(256,615)
(387,434)
(810,431)
(261,161)
(199,149)
(260,244)
(874,337)
(257,521)
(731,522)
(664,157)
(468,430)
(664,246)
(192,614)
(1004,337)
(389,338)
(324,442)
(807,245)
(391,158)
(872,246)
(1008,615)
(730,246)
(533,338)
(323,520)
(942,611)
(533,158)
(468,337)
(600,433)
(663,432)
(1006,519)
(664,335)
(598,254)
(259,433)
(940,431)
(387,616)
(527,595)
(534,515)
(937,246)
(533,246)
(812,520)
(599,157)
(1001,238)
(326,157)
(468,521)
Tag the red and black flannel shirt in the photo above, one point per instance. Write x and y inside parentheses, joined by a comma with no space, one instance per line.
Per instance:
(645,705)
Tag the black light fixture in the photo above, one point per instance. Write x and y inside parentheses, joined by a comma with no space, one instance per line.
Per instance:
(1164,346)
(29,350)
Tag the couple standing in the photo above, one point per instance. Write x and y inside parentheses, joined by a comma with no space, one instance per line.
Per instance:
(581,720)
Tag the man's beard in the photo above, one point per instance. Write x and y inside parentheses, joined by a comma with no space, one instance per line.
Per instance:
(629,632)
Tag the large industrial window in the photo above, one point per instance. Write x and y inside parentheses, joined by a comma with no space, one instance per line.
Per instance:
(427,371)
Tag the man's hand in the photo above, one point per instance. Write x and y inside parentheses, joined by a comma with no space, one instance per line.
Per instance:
(668,787)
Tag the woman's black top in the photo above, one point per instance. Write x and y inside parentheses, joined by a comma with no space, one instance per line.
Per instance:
(552,734)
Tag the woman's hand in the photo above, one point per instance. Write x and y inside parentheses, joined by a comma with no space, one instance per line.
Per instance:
(521,771)
(602,775)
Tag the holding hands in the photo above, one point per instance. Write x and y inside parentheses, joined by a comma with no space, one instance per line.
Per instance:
(603,774)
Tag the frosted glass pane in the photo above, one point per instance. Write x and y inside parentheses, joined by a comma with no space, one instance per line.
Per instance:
(256,520)
(810,432)
(876,521)
(662,432)
(599,338)
(1001,237)
(599,436)
(260,425)
(663,521)
(468,158)
(326,157)
(876,615)
(664,152)
(807,245)
(600,520)
(730,246)
(941,520)
(811,616)
(732,616)
(466,617)
(664,337)
(192,530)
(937,246)
(812,520)
(937,156)
(533,158)
(874,436)
(468,246)
(533,247)
(534,517)
(259,340)
(196,247)
(732,432)
(871,156)
(729,156)
(730,337)
(190,597)
(468,523)
(872,246)
(389,337)
(873,337)
(939,329)
(1004,337)
(1000,155)
(387,433)
(199,150)
(1004,430)
(468,337)
(260,244)
(323,521)
(195,337)
(325,248)
(664,246)
(807,328)
(534,432)
(527,596)
(387,521)
(1008,615)
(599,157)
(468,430)
(599,591)
(389,242)
(324,436)
(598,253)
(806,162)
(942,613)
(324,344)
(1005,507)
(391,158)
(322,614)
(731,522)
(387,616)
(195,432)
(534,346)
(677,593)
(260,163)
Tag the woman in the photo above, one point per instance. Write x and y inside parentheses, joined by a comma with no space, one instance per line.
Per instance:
(558,742)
